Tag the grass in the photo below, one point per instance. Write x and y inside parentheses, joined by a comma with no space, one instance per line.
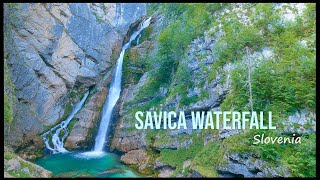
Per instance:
(208,159)
(8,155)
(175,158)
(7,110)
(23,164)
(71,124)
(19,174)
(67,111)
(133,67)
(145,34)
(8,114)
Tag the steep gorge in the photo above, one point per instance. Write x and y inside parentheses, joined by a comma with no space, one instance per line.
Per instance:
(190,58)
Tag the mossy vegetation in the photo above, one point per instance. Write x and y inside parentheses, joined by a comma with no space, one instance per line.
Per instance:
(8,155)
(8,95)
(282,83)
(208,159)
(146,33)
(7,110)
(285,82)
(298,158)
(133,67)
(18,173)
(176,158)
(71,124)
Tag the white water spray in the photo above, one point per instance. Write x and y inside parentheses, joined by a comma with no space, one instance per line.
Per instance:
(114,93)
(138,38)
(56,130)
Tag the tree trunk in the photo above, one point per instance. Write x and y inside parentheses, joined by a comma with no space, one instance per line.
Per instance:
(249,78)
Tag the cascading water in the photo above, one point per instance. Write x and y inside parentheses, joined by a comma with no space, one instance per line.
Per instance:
(138,38)
(114,94)
(56,130)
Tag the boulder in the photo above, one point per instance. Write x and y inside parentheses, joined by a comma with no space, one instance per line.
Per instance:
(13,164)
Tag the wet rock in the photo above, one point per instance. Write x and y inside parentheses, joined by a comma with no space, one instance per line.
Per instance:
(112,171)
(237,169)
(87,119)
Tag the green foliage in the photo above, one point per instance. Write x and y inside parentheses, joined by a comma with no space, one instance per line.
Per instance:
(301,160)
(240,143)
(71,124)
(23,164)
(98,18)
(133,67)
(204,94)
(230,47)
(298,158)
(8,96)
(284,83)
(176,158)
(145,34)
(7,110)
(152,8)
(73,95)
(8,155)
(185,22)
(14,6)
(19,174)
(67,110)
(183,82)
(208,159)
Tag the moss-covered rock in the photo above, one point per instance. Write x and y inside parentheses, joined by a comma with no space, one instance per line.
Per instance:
(14,166)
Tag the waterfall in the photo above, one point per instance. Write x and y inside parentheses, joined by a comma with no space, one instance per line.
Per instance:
(114,93)
(56,130)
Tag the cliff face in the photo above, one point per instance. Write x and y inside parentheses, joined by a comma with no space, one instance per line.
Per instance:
(53,54)
(201,79)
(190,58)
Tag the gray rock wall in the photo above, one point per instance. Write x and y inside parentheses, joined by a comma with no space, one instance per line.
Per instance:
(53,48)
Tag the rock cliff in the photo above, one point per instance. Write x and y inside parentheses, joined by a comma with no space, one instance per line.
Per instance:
(200,82)
(190,58)
(53,54)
